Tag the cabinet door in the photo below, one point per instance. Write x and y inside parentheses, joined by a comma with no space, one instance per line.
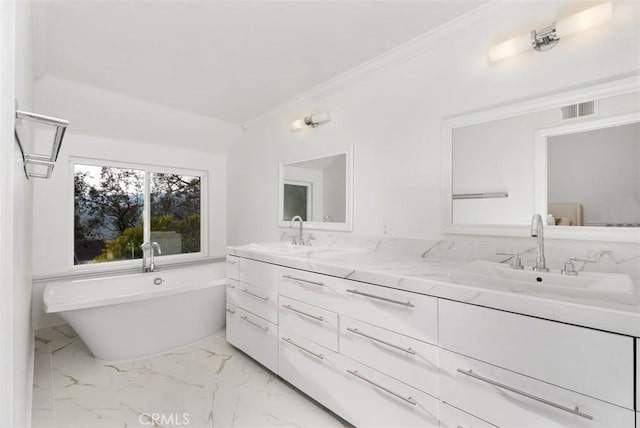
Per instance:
(509,399)
(316,324)
(254,335)
(233,268)
(232,292)
(259,274)
(258,301)
(401,357)
(411,314)
(587,361)
(355,392)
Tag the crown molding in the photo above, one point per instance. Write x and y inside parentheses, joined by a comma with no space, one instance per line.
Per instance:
(396,56)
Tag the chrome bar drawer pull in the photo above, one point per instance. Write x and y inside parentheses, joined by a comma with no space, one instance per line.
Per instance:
(233,262)
(308,281)
(254,295)
(302,348)
(384,388)
(231,285)
(315,317)
(254,324)
(231,311)
(384,342)
(575,411)
(373,296)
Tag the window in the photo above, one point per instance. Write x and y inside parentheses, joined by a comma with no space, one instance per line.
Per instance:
(118,208)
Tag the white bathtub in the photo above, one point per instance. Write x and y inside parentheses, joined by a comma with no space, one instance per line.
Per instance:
(127,317)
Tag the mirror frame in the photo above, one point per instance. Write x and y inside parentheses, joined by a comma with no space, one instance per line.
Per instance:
(604,90)
(319,225)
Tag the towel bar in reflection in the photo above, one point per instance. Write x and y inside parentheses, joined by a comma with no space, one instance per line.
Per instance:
(480,195)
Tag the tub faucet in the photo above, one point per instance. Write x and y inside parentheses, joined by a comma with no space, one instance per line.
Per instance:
(538,232)
(152,265)
(293,220)
(150,248)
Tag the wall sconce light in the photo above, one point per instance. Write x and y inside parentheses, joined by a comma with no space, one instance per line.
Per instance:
(547,38)
(312,121)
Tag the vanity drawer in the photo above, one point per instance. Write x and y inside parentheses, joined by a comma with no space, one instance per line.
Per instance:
(253,335)
(357,393)
(411,314)
(316,324)
(450,417)
(258,301)
(406,359)
(232,292)
(587,361)
(313,288)
(259,274)
(509,399)
(233,267)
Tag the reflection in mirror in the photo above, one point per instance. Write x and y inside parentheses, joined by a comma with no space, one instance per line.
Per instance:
(316,190)
(593,177)
(573,157)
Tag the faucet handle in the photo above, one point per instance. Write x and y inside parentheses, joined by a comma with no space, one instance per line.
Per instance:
(516,261)
(570,268)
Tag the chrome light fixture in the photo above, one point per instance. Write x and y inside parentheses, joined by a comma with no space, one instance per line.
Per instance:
(312,121)
(548,37)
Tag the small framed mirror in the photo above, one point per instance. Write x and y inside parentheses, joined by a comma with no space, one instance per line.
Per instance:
(319,189)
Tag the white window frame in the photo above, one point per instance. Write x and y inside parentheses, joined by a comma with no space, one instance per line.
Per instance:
(146,215)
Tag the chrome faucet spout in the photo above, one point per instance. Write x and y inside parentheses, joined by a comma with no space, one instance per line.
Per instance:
(152,265)
(537,231)
(299,219)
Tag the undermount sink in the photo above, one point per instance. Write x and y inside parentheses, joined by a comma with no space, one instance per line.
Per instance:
(282,247)
(489,274)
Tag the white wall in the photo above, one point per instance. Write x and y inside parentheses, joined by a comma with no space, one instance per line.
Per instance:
(392,114)
(95,111)
(334,179)
(53,201)
(16,332)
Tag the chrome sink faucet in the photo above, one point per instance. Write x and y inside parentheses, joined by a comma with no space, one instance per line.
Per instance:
(537,231)
(149,248)
(293,220)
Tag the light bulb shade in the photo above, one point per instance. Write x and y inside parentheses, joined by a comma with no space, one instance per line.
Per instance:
(584,20)
(509,48)
(311,121)
(298,124)
(320,117)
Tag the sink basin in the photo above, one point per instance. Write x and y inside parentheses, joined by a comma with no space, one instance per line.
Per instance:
(282,247)
(489,274)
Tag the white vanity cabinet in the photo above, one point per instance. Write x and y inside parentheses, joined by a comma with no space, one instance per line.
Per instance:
(515,370)
(379,356)
(583,360)
(252,309)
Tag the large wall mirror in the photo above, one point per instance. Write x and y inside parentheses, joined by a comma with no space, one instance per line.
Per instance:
(319,190)
(573,157)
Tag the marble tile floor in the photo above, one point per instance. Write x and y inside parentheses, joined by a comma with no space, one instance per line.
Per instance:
(207,384)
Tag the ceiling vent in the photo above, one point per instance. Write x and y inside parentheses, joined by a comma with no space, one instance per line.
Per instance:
(573,111)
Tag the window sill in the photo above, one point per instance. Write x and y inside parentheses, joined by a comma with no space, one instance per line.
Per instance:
(93,271)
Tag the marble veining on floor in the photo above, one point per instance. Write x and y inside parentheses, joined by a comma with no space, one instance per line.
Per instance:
(207,384)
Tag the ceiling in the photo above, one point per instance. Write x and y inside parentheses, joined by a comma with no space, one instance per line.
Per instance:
(231,60)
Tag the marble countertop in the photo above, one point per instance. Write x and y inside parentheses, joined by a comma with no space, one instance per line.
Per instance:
(614,313)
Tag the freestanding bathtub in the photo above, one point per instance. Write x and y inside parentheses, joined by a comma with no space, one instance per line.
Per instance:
(128,317)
